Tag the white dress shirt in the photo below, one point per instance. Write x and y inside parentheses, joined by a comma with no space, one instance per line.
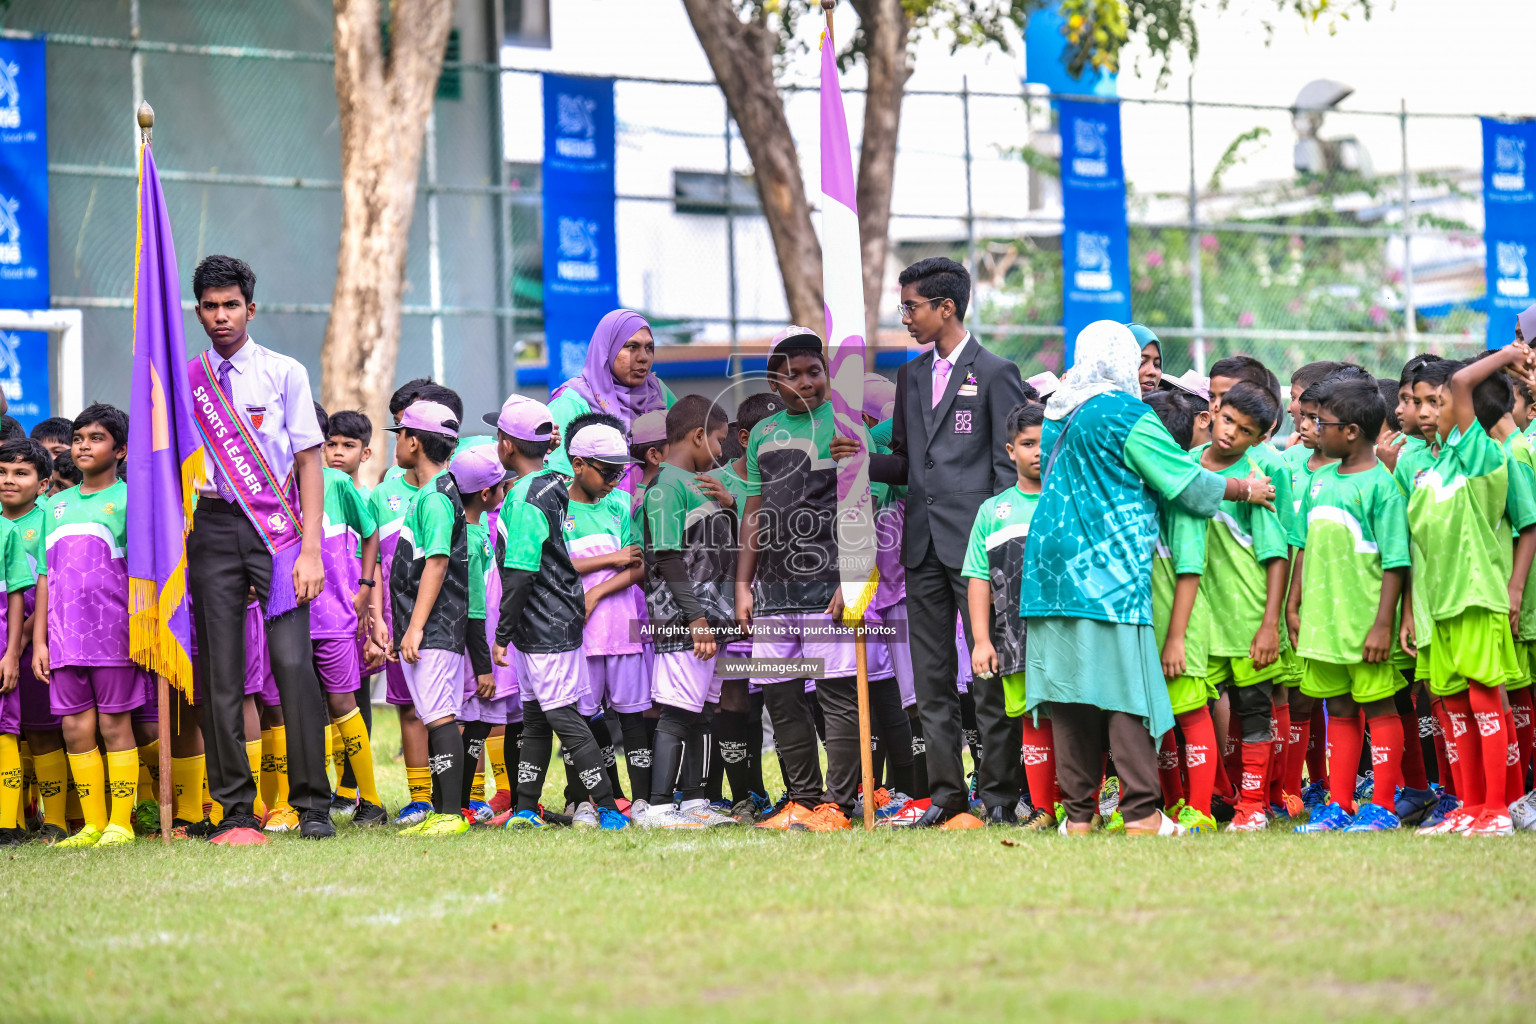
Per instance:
(271,396)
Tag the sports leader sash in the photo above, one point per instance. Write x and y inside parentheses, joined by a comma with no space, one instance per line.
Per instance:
(265,501)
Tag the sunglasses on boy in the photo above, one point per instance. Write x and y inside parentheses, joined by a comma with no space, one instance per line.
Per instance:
(607,470)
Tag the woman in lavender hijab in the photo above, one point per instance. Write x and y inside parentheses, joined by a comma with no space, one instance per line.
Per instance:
(616,379)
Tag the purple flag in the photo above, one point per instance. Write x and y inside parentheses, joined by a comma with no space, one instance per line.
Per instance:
(165,454)
(842,282)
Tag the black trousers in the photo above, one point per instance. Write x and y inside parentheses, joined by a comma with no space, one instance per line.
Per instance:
(794,736)
(225,558)
(935,593)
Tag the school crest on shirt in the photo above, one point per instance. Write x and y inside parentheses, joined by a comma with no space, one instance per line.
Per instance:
(58,510)
(257,413)
(108,508)
(1317,488)
(569,524)
(394,503)
(1003,509)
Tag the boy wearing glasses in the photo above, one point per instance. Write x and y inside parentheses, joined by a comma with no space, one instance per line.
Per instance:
(600,539)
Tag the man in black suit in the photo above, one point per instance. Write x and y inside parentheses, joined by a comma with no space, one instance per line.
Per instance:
(948,451)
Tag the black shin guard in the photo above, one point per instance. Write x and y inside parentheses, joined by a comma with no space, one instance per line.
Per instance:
(534,747)
(714,768)
(474,745)
(604,740)
(667,754)
(919,790)
(970,729)
(894,728)
(733,736)
(586,759)
(755,783)
(445,760)
(698,745)
(637,753)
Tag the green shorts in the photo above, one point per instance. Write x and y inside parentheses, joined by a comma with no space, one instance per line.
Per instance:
(1364,681)
(1473,645)
(1189,693)
(1292,665)
(1013,694)
(1421,663)
(1241,672)
(1525,652)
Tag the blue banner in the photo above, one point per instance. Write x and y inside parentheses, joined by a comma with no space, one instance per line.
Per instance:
(1509,219)
(24,376)
(23,176)
(581,275)
(1095,248)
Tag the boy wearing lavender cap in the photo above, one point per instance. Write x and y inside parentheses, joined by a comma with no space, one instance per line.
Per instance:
(542,614)
(488,702)
(429,588)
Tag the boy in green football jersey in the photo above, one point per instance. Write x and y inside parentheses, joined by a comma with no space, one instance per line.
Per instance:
(599,534)
(994,564)
(1461,512)
(1346,581)
(1244,581)
(738,725)
(1181,622)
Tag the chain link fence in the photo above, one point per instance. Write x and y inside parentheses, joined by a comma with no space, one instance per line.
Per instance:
(1232,250)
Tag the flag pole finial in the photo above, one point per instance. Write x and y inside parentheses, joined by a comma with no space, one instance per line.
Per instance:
(146,117)
(826,7)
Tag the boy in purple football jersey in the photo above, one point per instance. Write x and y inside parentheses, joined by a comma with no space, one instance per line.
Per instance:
(80,636)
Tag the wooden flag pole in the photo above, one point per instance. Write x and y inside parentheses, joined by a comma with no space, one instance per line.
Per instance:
(146,118)
(861,660)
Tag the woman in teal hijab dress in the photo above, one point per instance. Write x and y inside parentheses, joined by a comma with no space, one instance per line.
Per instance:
(1092,658)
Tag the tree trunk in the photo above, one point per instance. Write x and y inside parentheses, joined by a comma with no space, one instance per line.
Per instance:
(383,114)
(885,29)
(741,55)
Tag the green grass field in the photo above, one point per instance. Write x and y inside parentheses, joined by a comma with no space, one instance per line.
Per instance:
(741,925)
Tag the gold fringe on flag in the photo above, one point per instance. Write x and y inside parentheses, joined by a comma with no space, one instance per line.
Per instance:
(852,613)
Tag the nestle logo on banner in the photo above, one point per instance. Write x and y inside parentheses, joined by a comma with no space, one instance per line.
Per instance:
(1090,149)
(1513,281)
(578,128)
(10,114)
(578,250)
(10,228)
(1093,266)
(1508,163)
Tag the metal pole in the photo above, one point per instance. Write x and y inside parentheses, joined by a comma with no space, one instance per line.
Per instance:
(734,367)
(135,64)
(1196,285)
(1410,313)
(434,255)
(503,234)
(970,212)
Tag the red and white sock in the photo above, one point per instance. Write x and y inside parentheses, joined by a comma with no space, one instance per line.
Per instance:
(1276,773)
(1200,760)
(1387,758)
(1488,719)
(1317,750)
(1345,738)
(1168,770)
(1414,775)
(1255,768)
(1469,752)
(1040,762)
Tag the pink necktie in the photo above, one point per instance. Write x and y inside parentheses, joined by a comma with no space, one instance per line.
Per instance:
(940,378)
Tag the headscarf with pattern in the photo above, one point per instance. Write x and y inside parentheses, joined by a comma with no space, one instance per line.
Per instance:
(1107,359)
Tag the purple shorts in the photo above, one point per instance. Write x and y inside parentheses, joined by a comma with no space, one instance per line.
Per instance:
(779,637)
(436,684)
(494,710)
(259,681)
(112,689)
(683,681)
(901,657)
(336,664)
(395,690)
(617,681)
(149,712)
(36,715)
(10,713)
(551,680)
